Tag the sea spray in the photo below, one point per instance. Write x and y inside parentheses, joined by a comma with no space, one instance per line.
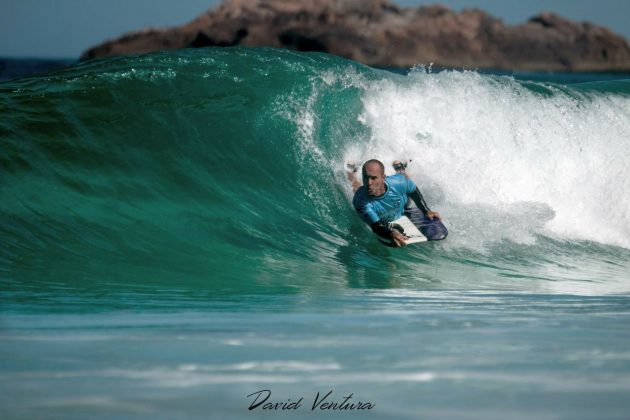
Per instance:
(500,149)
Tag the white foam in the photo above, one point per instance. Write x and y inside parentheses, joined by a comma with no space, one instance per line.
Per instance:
(497,158)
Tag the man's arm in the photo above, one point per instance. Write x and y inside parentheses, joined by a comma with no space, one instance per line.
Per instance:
(417,198)
(378,226)
(384,230)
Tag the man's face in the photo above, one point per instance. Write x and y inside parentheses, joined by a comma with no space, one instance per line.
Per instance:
(374,180)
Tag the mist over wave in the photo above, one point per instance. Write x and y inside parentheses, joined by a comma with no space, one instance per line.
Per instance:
(227,166)
(509,159)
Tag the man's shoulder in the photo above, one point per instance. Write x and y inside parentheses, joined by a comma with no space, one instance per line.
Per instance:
(399,182)
(396,178)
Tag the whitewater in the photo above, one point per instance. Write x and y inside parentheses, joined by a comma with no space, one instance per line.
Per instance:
(176,233)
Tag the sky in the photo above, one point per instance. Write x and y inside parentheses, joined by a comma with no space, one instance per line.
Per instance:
(66,28)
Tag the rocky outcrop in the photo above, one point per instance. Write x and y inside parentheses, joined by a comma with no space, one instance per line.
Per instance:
(379,33)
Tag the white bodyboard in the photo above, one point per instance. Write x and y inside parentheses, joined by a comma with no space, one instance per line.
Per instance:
(411,231)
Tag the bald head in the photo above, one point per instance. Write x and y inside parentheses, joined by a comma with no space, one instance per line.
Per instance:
(373,163)
(374,177)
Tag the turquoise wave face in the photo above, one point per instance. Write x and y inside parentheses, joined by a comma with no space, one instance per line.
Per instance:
(220,171)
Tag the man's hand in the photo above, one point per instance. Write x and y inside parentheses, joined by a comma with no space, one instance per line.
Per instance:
(432,214)
(399,239)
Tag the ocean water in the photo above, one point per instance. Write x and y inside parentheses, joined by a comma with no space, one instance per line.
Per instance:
(14,68)
(177,241)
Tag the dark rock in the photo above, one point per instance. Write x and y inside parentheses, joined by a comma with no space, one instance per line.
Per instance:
(295,41)
(379,33)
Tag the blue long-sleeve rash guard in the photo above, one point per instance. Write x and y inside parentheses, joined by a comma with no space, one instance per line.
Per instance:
(389,206)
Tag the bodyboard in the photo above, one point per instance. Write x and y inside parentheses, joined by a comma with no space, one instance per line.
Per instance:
(418,228)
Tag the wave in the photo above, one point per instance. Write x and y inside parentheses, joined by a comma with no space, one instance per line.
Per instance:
(230,161)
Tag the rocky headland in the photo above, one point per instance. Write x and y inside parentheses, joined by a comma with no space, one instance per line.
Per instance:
(380,33)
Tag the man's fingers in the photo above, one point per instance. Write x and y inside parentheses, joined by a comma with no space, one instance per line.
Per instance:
(433,214)
(399,242)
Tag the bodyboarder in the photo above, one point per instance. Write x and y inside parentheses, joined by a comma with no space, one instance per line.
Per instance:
(381,200)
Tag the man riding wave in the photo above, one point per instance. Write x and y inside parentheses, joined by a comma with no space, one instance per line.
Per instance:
(381,200)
